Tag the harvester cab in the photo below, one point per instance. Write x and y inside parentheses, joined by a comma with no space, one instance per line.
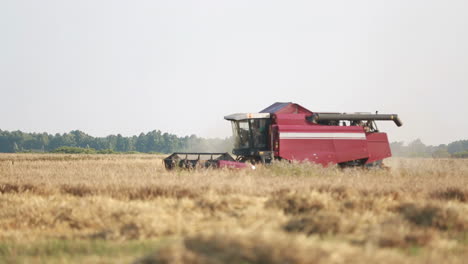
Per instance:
(251,134)
(289,131)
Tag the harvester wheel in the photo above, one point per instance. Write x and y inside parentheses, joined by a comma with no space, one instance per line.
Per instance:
(374,165)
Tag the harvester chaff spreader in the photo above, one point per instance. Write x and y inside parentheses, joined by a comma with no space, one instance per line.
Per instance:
(288,131)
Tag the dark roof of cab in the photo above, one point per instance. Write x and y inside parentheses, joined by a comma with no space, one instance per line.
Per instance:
(286,108)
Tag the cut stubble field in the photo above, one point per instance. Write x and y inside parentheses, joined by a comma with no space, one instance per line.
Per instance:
(128,208)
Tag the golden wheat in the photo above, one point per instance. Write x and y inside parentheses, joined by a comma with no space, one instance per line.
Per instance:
(123,208)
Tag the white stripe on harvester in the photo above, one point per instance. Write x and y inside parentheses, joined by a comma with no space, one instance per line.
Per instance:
(319,135)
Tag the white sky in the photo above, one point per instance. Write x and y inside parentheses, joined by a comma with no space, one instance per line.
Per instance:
(108,67)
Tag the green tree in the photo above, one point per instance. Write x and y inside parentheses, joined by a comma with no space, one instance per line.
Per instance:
(458,146)
(141,143)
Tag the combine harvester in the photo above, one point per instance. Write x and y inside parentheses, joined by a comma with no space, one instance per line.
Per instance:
(288,131)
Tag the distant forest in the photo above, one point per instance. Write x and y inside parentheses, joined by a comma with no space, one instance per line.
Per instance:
(416,148)
(155,141)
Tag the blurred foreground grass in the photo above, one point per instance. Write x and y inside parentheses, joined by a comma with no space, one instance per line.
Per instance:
(77,251)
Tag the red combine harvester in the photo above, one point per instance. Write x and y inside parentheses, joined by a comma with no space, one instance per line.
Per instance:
(291,132)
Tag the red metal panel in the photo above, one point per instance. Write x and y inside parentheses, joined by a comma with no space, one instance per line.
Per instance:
(321,128)
(294,109)
(291,119)
(347,150)
(318,151)
(378,146)
(322,144)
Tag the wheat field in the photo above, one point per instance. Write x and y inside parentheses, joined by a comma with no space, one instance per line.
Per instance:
(129,209)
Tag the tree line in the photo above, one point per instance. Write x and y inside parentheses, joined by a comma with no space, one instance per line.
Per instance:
(154,141)
(416,148)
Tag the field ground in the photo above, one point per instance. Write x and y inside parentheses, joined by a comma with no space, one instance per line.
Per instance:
(127,208)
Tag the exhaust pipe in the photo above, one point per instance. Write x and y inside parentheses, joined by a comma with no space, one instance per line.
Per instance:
(316,117)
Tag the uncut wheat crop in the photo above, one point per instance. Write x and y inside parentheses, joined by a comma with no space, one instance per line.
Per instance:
(129,209)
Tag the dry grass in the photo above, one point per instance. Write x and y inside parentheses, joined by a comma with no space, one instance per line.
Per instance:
(124,208)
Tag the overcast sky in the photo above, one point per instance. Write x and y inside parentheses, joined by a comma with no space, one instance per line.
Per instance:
(108,67)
